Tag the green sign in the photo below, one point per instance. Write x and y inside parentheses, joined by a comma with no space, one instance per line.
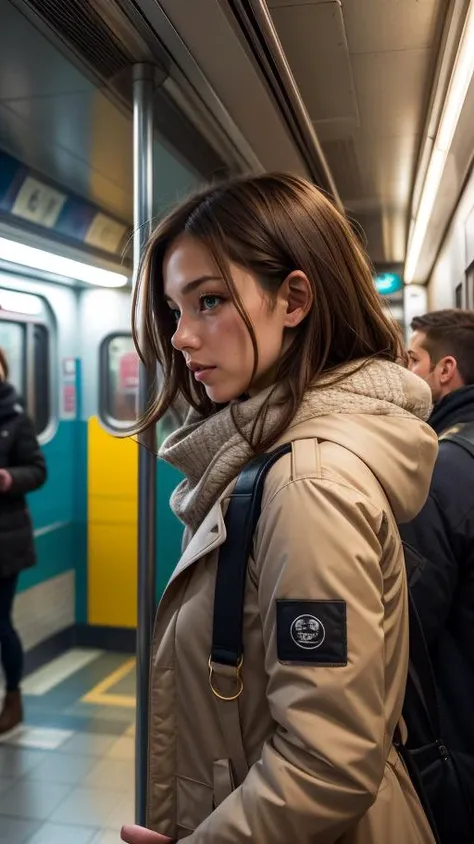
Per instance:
(388,283)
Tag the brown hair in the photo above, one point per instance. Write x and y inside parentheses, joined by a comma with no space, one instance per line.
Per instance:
(4,368)
(449,332)
(271,225)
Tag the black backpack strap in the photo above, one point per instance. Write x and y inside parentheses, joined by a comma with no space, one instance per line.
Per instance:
(240,521)
(462,435)
(420,671)
(226,656)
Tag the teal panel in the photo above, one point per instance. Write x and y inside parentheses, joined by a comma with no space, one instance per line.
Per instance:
(55,501)
(169,528)
(59,512)
(57,553)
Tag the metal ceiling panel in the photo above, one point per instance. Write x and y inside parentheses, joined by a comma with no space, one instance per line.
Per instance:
(388,47)
(377,182)
(86,125)
(97,39)
(29,67)
(208,31)
(385,234)
(391,91)
(97,164)
(314,40)
(363,68)
(57,122)
(276,4)
(62,166)
(380,26)
(342,160)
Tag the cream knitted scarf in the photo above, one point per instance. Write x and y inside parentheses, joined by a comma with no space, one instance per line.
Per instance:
(211,452)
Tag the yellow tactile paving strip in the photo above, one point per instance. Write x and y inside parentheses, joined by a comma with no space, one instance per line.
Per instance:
(100,694)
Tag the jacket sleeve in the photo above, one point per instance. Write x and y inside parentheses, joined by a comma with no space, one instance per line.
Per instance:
(29,468)
(435,582)
(321,769)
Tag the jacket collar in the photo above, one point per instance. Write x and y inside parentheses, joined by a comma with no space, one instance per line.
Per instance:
(453,409)
(9,401)
(210,535)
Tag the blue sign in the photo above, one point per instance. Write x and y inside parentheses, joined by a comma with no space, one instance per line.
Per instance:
(388,283)
(26,196)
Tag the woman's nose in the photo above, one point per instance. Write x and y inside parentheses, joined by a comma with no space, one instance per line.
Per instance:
(185,337)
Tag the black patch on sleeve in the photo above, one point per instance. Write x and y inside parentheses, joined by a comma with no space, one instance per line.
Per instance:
(313,632)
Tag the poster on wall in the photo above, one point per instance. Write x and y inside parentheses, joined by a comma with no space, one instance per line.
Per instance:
(69,389)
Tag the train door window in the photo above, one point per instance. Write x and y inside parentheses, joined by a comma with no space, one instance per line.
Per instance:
(458,296)
(118,399)
(119,380)
(41,378)
(470,287)
(13,343)
(26,346)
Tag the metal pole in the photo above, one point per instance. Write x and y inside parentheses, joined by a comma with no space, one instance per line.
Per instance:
(143,93)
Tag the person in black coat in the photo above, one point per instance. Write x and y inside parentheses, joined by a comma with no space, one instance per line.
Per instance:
(22,470)
(441,351)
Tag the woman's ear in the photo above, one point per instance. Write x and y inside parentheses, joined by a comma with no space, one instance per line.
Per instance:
(297,292)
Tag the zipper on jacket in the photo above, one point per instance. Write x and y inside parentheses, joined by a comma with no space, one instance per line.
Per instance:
(444,752)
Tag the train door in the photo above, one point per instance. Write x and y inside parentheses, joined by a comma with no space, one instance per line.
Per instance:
(25,332)
(36,319)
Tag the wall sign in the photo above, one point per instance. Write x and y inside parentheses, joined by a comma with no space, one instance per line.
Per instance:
(38,203)
(69,389)
(388,283)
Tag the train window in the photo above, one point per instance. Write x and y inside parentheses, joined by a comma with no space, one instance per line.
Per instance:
(470,287)
(119,366)
(119,380)
(41,378)
(13,343)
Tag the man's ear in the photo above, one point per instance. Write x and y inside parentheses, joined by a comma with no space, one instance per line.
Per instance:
(448,369)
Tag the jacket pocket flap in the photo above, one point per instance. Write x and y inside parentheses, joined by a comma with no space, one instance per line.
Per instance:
(193,802)
(223,780)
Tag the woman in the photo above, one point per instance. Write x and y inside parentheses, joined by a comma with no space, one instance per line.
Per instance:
(259,303)
(22,469)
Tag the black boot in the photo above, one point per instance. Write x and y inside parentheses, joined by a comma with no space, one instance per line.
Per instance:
(12,712)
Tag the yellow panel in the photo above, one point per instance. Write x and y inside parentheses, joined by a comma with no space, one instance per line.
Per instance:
(112,534)
(112,575)
(123,509)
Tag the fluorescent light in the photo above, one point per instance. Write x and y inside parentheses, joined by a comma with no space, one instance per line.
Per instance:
(20,303)
(425,208)
(456,95)
(37,259)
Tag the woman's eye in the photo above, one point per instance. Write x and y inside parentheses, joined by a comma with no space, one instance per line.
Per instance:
(208,303)
(175,314)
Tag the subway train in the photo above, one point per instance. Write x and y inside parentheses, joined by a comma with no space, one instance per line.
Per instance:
(73,363)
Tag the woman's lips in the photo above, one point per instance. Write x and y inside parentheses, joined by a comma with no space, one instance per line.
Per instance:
(203,373)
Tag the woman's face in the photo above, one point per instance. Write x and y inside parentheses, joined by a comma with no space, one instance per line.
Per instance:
(210,333)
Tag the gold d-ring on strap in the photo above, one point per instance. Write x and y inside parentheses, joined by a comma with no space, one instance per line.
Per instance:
(238,678)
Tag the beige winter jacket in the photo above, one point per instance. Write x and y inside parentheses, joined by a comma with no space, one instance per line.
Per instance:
(305,755)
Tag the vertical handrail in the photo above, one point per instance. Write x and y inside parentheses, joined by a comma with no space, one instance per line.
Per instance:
(143,95)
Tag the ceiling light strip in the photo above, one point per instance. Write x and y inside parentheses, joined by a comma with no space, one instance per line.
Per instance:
(461,79)
(38,259)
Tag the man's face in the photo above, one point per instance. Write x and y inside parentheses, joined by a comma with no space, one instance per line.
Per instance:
(421,364)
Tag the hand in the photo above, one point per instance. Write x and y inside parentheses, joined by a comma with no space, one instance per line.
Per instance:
(140,835)
(6,480)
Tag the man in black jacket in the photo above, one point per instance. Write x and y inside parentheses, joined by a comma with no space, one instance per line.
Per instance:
(441,351)
(22,469)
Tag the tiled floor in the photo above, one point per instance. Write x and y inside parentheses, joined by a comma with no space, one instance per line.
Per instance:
(67,775)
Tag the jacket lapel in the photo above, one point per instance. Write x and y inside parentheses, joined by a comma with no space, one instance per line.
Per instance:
(209,536)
